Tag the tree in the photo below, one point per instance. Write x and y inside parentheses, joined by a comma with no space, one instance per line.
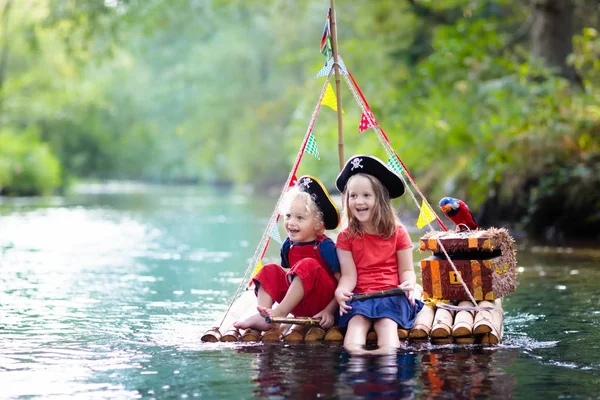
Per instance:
(552,36)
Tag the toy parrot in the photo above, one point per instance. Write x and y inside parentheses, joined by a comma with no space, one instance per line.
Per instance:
(458,212)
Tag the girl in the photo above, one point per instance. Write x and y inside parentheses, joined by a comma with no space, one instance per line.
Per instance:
(375,254)
(307,289)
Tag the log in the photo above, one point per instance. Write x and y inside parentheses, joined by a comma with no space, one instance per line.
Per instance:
(464,340)
(442,323)
(334,335)
(314,334)
(372,337)
(272,335)
(251,335)
(423,323)
(463,321)
(295,334)
(442,340)
(402,333)
(212,335)
(490,338)
(486,320)
(232,335)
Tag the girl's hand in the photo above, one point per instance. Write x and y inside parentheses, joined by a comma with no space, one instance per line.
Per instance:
(408,288)
(342,297)
(327,319)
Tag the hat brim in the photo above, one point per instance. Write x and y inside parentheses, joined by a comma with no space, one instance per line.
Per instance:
(372,166)
(313,186)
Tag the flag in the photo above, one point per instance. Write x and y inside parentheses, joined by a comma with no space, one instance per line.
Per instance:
(367,120)
(274,233)
(425,216)
(311,147)
(293,181)
(325,70)
(394,164)
(329,98)
(326,46)
(257,268)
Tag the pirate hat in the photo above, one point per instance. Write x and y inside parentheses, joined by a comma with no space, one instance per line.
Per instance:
(372,166)
(314,187)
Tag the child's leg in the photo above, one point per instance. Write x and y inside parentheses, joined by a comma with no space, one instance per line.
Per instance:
(387,334)
(263,298)
(271,286)
(356,334)
(310,291)
(293,296)
(257,321)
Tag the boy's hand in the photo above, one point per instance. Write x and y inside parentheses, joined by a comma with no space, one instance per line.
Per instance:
(408,288)
(342,297)
(327,319)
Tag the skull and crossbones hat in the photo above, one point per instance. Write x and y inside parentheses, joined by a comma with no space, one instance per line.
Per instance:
(371,165)
(314,187)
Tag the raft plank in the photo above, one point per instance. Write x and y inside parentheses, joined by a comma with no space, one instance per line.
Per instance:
(442,323)
(232,335)
(463,321)
(295,334)
(212,335)
(271,336)
(251,335)
(423,323)
(334,335)
(314,334)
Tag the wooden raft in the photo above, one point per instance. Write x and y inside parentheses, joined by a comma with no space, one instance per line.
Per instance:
(434,324)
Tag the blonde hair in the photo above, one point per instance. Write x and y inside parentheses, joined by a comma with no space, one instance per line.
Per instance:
(309,204)
(383,217)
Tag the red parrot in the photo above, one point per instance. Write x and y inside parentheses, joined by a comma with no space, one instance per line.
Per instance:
(458,212)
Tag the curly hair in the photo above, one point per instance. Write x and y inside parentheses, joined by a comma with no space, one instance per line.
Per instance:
(309,203)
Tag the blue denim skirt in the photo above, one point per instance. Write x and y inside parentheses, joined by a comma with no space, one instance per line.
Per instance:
(396,308)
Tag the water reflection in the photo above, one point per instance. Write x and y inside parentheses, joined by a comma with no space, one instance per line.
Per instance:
(386,376)
(469,373)
(320,371)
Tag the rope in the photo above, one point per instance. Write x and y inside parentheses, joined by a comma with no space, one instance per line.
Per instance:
(380,131)
(360,99)
(264,241)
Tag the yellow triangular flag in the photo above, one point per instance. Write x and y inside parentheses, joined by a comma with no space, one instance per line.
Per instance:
(257,268)
(329,98)
(425,216)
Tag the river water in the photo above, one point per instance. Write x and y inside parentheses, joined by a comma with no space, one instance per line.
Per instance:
(105,294)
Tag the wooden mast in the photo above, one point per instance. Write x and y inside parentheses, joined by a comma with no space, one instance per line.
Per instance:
(337,86)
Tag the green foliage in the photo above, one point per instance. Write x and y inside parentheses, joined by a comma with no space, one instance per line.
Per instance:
(222,91)
(27,166)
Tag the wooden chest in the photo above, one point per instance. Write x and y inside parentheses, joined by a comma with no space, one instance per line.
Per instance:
(485,260)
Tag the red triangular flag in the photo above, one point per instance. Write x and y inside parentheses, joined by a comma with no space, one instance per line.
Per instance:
(366,121)
(293,181)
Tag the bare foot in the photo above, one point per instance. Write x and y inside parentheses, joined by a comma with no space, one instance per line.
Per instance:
(255,321)
(265,311)
(355,349)
(384,350)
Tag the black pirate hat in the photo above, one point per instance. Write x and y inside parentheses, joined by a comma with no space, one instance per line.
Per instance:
(313,186)
(372,166)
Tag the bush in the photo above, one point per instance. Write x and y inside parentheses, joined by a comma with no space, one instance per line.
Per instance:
(27,166)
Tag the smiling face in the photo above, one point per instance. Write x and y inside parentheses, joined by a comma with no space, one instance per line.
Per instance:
(301,224)
(361,200)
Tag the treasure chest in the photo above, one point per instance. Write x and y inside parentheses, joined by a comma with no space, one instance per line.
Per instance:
(485,261)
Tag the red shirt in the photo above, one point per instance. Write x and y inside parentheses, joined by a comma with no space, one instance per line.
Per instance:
(375,258)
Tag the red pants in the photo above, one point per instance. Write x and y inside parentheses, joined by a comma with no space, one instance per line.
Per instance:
(319,286)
